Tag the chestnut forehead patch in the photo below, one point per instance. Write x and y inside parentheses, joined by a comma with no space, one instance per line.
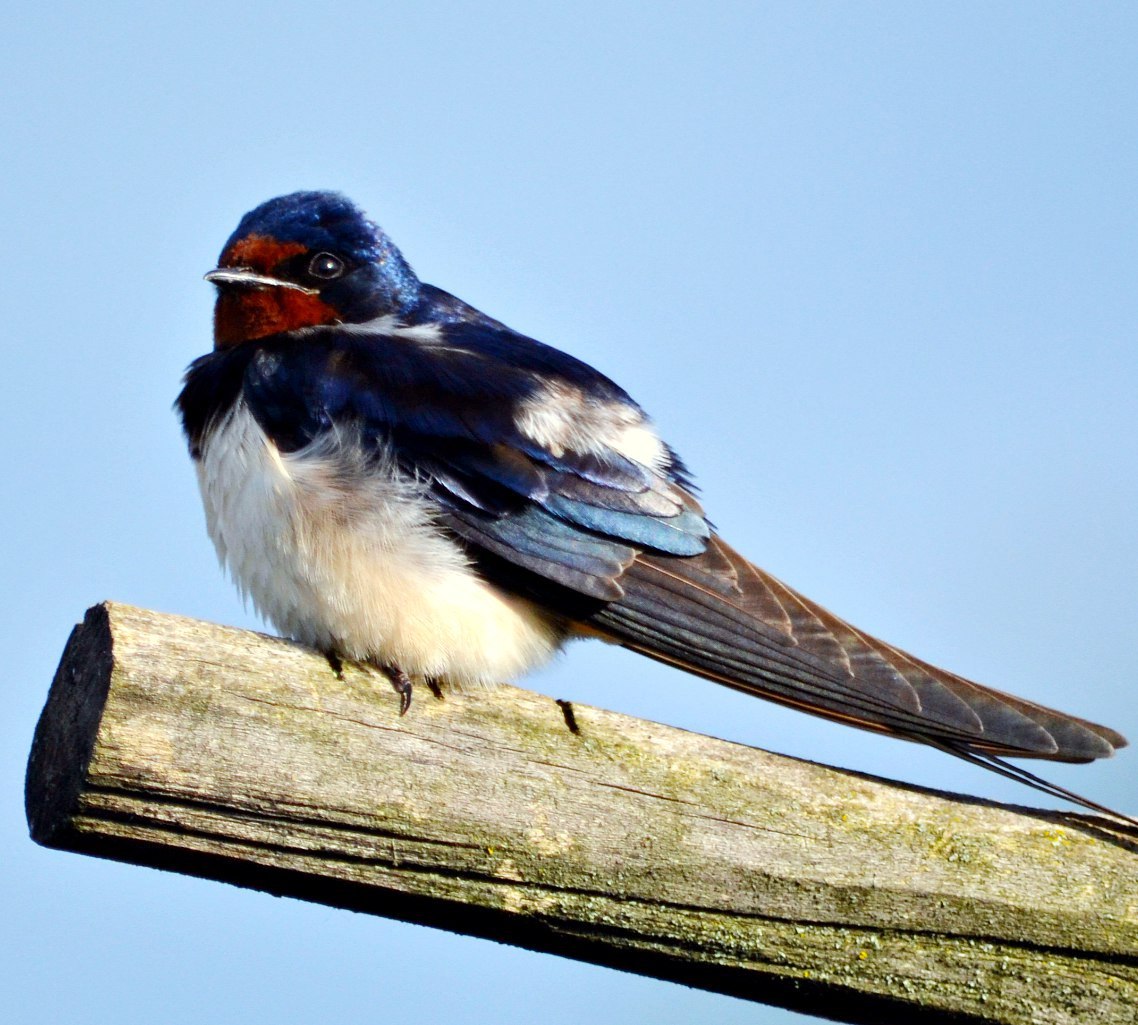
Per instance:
(259,253)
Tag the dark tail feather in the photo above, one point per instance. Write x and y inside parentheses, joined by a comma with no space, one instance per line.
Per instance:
(995,764)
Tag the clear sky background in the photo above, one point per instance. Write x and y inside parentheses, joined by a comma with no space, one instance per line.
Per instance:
(870,266)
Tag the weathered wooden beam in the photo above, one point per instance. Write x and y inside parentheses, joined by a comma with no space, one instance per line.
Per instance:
(568,829)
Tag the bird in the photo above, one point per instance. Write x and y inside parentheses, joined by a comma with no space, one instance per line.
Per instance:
(395,478)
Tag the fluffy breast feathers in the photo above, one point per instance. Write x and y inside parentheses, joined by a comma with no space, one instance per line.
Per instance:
(340,550)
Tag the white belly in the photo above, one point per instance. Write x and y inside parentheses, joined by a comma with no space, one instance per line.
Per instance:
(348,559)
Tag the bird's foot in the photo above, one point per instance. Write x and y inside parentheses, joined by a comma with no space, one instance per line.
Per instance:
(402,684)
(335,663)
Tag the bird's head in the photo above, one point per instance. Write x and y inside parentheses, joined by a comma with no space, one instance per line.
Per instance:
(304,260)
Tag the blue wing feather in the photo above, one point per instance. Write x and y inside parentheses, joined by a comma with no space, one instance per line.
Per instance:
(682,534)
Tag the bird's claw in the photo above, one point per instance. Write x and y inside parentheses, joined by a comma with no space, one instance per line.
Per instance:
(403,686)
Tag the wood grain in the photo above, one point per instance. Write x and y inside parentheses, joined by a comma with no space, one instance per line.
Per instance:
(564,828)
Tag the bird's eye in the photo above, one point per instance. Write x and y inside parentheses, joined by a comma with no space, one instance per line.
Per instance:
(326,266)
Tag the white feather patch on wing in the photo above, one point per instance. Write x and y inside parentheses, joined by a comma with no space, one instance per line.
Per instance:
(342,552)
(563,418)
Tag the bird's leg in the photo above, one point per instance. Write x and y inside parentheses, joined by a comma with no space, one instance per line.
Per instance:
(335,663)
(402,684)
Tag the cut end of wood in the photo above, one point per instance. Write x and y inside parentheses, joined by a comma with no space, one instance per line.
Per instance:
(65,735)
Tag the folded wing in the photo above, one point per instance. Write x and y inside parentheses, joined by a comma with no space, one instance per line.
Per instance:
(718,615)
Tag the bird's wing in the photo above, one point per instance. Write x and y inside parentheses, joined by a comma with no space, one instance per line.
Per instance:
(718,615)
(552,475)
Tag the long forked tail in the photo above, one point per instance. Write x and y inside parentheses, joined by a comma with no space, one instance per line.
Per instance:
(719,616)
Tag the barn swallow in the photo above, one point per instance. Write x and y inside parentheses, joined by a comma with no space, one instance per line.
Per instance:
(396,478)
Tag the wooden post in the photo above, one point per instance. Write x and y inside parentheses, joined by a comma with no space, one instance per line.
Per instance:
(568,829)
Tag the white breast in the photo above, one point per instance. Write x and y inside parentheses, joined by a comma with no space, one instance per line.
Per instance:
(345,555)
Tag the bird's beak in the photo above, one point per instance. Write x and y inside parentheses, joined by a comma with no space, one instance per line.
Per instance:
(250,278)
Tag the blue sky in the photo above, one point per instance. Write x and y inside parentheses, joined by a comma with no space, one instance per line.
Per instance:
(871,267)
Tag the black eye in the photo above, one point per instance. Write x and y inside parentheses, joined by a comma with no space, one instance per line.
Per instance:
(326,266)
